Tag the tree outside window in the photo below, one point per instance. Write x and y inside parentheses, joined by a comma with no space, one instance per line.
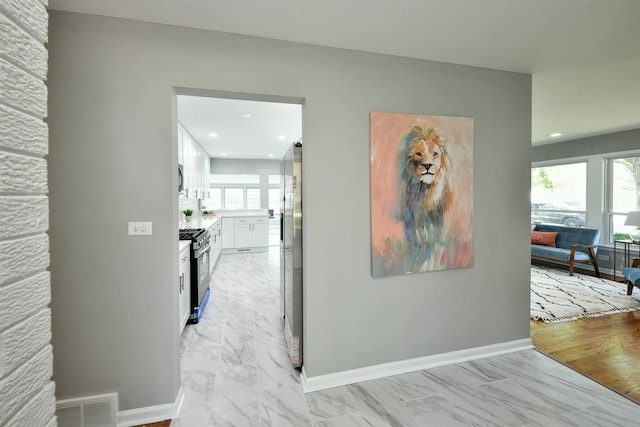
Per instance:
(624,193)
(559,194)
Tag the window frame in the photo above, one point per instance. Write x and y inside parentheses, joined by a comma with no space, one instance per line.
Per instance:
(565,162)
(246,197)
(233,187)
(609,213)
(244,189)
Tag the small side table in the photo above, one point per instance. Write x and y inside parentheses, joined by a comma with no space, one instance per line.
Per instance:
(626,251)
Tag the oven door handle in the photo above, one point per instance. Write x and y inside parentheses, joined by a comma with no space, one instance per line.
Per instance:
(200,251)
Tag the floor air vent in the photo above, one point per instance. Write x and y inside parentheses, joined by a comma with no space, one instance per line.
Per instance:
(90,411)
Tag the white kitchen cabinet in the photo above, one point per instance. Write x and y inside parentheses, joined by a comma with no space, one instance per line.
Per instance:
(197,168)
(215,231)
(227,233)
(250,232)
(186,158)
(184,286)
(195,163)
(242,235)
(180,146)
(260,235)
(207,177)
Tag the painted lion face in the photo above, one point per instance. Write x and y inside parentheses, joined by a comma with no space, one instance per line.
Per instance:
(427,155)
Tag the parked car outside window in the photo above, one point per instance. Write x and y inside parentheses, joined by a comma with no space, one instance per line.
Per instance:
(550,213)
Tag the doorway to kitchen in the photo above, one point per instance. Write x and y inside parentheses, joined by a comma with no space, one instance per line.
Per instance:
(230,152)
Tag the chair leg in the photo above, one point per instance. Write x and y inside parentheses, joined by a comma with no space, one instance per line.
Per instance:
(594,260)
(572,260)
(629,288)
(571,268)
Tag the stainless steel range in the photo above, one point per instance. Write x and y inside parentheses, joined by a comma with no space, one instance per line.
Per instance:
(200,278)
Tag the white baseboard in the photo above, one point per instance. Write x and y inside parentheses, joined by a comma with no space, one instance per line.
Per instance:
(151,414)
(322,382)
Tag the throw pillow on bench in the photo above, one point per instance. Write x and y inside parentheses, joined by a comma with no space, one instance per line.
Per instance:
(544,238)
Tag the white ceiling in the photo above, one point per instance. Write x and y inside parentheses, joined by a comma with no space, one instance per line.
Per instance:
(243,129)
(584,55)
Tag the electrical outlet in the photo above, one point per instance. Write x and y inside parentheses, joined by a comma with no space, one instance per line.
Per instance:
(140,229)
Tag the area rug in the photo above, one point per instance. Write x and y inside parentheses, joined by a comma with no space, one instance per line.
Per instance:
(558,297)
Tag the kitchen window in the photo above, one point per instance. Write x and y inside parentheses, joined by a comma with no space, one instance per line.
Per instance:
(234,198)
(274,199)
(215,198)
(253,198)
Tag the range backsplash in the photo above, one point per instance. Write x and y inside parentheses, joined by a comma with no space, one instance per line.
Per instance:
(184,203)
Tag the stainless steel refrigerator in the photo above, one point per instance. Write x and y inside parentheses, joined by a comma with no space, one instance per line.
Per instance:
(291,251)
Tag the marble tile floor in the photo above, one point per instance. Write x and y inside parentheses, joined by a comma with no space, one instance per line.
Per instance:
(235,372)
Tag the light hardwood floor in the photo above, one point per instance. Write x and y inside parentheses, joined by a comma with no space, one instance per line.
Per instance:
(606,349)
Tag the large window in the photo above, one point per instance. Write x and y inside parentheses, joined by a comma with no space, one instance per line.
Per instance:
(274,195)
(274,199)
(253,198)
(559,194)
(623,193)
(234,191)
(234,198)
(597,191)
(215,199)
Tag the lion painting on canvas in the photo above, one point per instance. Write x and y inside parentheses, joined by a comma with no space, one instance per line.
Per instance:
(426,190)
(421,193)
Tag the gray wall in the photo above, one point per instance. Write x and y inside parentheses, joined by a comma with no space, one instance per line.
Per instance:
(113,155)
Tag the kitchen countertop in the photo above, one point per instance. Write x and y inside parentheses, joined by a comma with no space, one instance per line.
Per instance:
(243,213)
(199,222)
(207,221)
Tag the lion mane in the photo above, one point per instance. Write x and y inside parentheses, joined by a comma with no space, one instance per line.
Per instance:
(425,183)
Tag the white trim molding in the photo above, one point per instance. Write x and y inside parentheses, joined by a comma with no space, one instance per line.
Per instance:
(152,414)
(322,382)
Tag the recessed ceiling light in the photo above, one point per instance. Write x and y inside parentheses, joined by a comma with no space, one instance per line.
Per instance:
(246,115)
(281,138)
(555,135)
(223,154)
(270,154)
(213,135)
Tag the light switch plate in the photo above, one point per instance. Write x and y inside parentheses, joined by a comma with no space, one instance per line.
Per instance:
(140,229)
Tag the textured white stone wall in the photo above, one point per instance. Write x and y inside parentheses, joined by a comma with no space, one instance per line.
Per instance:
(26,357)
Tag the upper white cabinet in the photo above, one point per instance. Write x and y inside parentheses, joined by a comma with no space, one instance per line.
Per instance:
(207,175)
(195,163)
(180,146)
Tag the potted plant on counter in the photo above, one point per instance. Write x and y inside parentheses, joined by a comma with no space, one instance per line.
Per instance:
(187,214)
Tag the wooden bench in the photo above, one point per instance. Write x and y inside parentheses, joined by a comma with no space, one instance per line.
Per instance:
(572,245)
